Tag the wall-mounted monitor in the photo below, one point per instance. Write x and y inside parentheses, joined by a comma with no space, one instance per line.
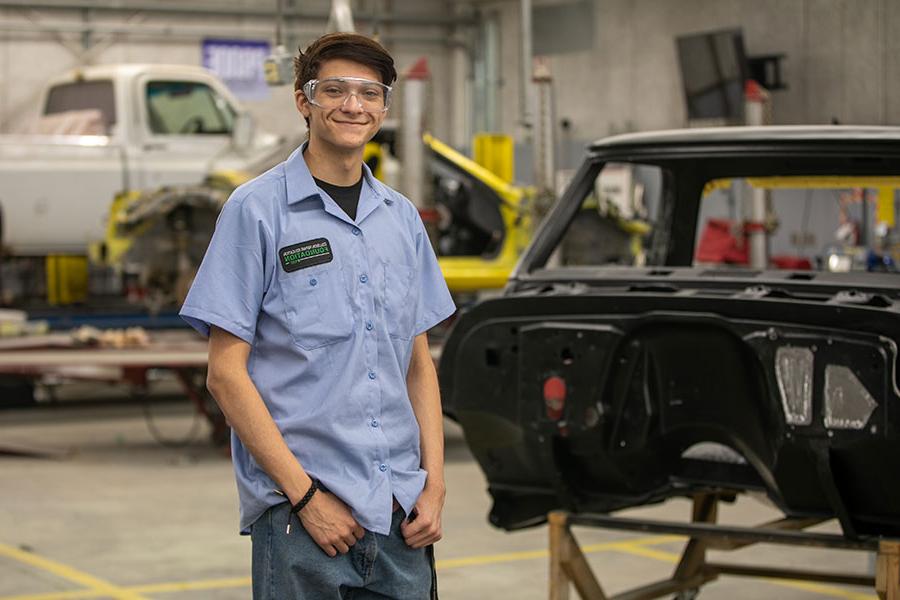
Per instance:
(713,71)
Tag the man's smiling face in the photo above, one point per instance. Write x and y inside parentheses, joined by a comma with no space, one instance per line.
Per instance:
(348,126)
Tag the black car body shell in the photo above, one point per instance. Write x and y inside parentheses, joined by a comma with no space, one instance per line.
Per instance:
(657,360)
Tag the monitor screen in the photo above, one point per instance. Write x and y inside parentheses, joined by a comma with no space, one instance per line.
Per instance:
(713,70)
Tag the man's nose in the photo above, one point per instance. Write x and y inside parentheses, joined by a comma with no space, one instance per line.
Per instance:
(352,106)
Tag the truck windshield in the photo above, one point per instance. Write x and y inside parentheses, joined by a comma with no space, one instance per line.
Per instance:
(186,108)
(94,95)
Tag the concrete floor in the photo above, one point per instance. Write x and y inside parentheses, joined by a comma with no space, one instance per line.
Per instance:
(112,513)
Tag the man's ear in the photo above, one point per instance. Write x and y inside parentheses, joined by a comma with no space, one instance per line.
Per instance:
(302,103)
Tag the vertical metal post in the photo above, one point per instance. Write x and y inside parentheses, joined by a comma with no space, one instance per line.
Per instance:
(484,71)
(487,75)
(461,76)
(411,127)
(865,225)
(341,17)
(492,73)
(87,39)
(279,24)
(525,84)
(479,78)
(755,114)
(544,138)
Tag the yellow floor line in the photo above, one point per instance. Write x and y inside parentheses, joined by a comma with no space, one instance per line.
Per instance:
(652,540)
(648,553)
(488,559)
(191,586)
(825,590)
(70,595)
(97,587)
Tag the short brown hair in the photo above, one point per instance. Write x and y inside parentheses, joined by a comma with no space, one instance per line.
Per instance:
(349,46)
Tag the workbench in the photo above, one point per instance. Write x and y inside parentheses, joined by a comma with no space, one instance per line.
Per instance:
(181,351)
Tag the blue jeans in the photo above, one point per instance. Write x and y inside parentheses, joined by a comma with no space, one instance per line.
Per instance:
(293,567)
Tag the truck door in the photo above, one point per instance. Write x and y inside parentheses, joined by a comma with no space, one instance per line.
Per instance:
(185,125)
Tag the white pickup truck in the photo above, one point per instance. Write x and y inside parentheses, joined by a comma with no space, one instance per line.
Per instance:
(111,128)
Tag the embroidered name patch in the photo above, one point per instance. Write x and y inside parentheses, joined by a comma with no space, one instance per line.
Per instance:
(305,254)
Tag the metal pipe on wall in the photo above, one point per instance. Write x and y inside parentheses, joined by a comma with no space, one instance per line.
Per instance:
(460,73)
(341,17)
(525,88)
(755,114)
(544,137)
(227,10)
(412,150)
(180,31)
(486,75)
(491,72)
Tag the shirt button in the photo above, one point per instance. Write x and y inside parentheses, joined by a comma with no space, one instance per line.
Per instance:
(371,374)
(369,326)
(356,231)
(313,281)
(382,467)
(363,278)
(388,201)
(374,422)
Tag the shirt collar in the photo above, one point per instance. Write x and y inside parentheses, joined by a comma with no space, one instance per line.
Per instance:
(301,186)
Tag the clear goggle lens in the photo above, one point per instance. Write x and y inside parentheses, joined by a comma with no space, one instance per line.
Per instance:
(372,96)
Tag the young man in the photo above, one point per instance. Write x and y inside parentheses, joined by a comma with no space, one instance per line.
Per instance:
(316,292)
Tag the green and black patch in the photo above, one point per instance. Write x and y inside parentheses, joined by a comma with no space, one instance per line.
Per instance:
(305,254)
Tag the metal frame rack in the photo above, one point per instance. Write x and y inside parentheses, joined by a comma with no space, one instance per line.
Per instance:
(568,563)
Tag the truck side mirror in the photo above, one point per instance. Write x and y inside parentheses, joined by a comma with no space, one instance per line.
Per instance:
(243,132)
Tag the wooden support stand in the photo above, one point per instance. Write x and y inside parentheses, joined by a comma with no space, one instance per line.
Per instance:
(887,570)
(569,565)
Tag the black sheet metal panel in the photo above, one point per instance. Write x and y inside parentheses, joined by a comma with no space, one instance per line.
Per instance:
(657,361)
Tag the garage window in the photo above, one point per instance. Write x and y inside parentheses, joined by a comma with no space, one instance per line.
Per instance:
(187,108)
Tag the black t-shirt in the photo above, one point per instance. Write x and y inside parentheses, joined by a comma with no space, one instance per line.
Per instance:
(347,197)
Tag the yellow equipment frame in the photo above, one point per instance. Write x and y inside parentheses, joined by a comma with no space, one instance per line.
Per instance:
(473,273)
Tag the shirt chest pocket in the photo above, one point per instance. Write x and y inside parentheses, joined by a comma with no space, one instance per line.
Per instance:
(401,299)
(317,306)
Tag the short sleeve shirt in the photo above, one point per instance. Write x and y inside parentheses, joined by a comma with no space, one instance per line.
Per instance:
(330,308)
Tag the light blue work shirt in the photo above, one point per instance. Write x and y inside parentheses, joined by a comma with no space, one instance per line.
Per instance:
(331,327)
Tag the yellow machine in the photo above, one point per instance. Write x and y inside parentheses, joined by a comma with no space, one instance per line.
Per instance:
(67,279)
(373,156)
(158,237)
(485,221)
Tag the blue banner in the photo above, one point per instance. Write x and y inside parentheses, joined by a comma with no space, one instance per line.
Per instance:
(239,63)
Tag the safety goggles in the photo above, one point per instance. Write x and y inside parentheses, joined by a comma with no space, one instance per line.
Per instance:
(333,92)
